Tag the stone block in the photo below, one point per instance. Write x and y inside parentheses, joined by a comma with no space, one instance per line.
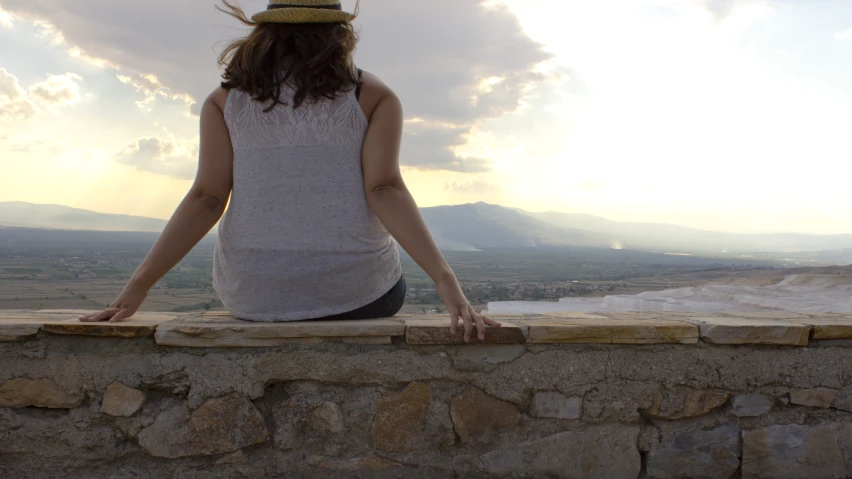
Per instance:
(610,331)
(476,414)
(236,458)
(327,418)
(39,393)
(606,452)
(352,464)
(10,333)
(556,405)
(485,357)
(683,402)
(718,330)
(751,405)
(219,426)
(830,328)
(765,315)
(437,331)
(121,401)
(141,325)
(844,400)
(400,419)
(817,397)
(793,452)
(696,454)
(66,321)
(236,333)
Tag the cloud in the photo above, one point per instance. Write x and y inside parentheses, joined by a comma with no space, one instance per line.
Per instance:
(6,20)
(744,11)
(437,60)
(473,187)
(162,157)
(151,86)
(53,147)
(844,35)
(14,104)
(430,146)
(57,90)
(719,8)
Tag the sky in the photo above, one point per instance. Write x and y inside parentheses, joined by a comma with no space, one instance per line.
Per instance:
(729,115)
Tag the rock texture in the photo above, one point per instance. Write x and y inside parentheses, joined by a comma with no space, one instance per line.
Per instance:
(750,331)
(385,407)
(607,452)
(793,452)
(685,402)
(556,405)
(219,426)
(17,332)
(751,405)
(227,332)
(817,397)
(139,326)
(437,331)
(477,414)
(39,393)
(843,401)
(400,418)
(121,401)
(697,454)
(327,417)
(608,331)
(831,328)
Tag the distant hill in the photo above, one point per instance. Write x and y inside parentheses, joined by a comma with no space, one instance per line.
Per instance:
(29,215)
(480,226)
(681,239)
(484,226)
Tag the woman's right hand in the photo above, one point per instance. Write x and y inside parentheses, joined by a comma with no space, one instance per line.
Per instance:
(127,304)
(459,308)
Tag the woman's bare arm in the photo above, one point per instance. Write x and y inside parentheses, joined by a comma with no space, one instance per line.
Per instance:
(391,201)
(199,211)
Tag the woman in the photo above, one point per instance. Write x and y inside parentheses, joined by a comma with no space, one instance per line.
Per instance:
(306,147)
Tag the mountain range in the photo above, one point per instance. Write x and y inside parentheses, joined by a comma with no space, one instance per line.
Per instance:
(482,226)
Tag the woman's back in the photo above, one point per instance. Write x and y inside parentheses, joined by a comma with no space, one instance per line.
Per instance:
(299,239)
(313,180)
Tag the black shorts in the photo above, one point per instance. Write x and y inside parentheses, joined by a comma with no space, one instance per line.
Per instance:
(384,307)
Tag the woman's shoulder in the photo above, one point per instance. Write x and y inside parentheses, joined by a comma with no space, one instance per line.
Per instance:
(218,98)
(373,92)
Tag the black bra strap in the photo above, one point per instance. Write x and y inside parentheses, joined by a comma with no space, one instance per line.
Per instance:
(358,87)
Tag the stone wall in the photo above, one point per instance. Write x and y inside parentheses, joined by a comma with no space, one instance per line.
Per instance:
(570,396)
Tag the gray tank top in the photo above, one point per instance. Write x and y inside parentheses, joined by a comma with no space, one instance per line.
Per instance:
(299,240)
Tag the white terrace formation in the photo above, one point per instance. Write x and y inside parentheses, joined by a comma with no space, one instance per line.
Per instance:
(799,293)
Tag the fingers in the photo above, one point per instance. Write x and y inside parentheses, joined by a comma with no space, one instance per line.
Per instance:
(121,316)
(468,324)
(480,326)
(454,323)
(490,322)
(102,316)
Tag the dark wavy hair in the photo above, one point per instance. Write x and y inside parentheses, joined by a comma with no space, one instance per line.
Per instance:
(313,59)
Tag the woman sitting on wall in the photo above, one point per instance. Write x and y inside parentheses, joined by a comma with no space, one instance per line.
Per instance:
(303,149)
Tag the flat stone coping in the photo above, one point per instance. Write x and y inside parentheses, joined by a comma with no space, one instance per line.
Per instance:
(220,329)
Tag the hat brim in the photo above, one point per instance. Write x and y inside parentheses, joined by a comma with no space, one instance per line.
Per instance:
(302,15)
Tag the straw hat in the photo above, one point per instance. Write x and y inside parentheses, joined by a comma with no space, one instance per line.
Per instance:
(303,11)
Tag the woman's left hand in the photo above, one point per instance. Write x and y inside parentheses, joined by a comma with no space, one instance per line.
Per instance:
(127,304)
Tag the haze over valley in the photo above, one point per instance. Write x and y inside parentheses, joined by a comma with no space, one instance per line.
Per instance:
(508,260)
(483,226)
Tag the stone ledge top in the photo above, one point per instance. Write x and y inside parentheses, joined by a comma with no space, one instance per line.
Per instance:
(220,329)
